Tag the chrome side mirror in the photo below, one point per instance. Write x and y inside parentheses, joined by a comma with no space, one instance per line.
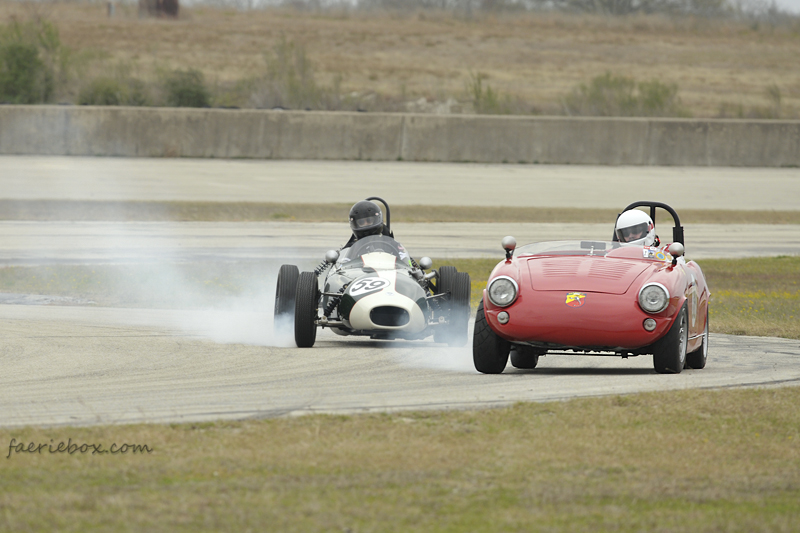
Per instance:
(676,249)
(425,263)
(331,256)
(509,245)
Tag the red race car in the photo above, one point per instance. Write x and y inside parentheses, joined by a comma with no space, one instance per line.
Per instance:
(624,297)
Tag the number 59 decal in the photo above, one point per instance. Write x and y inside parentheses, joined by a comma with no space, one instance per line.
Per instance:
(368,285)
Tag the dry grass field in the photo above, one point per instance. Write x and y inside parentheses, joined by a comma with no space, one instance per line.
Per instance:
(686,461)
(533,60)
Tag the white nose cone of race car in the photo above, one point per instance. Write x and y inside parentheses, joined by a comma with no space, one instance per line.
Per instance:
(386,309)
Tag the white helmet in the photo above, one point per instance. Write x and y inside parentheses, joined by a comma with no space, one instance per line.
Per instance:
(635,227)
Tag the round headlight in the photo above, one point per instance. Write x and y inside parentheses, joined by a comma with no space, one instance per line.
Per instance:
(653,298)
(502,291)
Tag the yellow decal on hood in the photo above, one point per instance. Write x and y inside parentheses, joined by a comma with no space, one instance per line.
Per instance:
(575,299)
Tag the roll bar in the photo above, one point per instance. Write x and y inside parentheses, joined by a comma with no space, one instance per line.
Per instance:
(388,215)
(677,231)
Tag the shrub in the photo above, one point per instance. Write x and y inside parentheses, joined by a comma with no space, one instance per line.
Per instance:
(290,81)
(186,88)
(137,94)
(730,110)
(101,91)
(773,94)
(774,110)
(606,95)
(484,99)
(34,65)
(611,95)
(659,99)
(32,61)
(113,91)
(23,77)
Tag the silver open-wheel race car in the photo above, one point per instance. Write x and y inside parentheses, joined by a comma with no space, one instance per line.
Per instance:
(374,288)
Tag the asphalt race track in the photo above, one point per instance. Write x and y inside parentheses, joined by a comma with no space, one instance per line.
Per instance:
(28,243)
(401,183)
(83,364)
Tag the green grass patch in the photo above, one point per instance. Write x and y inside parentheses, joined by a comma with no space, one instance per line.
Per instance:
(679,461)
(337,212)
(758,296)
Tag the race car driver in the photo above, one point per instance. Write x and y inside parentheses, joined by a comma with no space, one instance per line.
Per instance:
(366,219)
(635,227)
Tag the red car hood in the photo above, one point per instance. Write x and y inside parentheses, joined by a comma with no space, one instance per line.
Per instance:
(585,273)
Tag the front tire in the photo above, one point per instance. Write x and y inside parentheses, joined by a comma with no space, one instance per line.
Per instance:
(306,310)
(489,350)
(697,359)
(669,353)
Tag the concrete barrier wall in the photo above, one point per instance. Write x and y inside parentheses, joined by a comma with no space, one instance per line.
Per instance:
(163,132)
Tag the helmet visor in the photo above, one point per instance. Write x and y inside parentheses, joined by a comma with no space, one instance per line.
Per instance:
(365,222)
(633,233)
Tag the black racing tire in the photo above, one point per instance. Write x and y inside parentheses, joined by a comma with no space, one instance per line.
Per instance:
(447,274)
(698,358)
(285,294)
(460,292)
(525,357)
(306,310)
(669,353)
(489,350)
(444,282)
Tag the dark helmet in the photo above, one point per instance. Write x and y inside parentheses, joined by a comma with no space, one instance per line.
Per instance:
(366,219)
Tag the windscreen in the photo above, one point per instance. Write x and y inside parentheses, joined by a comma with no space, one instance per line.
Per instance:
(568,248)
(594,248)
(352,257)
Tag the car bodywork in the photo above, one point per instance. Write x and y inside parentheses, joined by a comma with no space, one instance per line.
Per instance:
(591,296)
(372,291)
(374,288)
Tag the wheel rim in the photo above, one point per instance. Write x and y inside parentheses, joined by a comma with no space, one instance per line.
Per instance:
(705,341)
(684,339)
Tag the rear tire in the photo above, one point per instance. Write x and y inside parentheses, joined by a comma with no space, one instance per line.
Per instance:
(306,310)
(446,274)
(489,350)
(284,295)
(525,357)
(697,359)
(669,353)
(458,284)
(459,310)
